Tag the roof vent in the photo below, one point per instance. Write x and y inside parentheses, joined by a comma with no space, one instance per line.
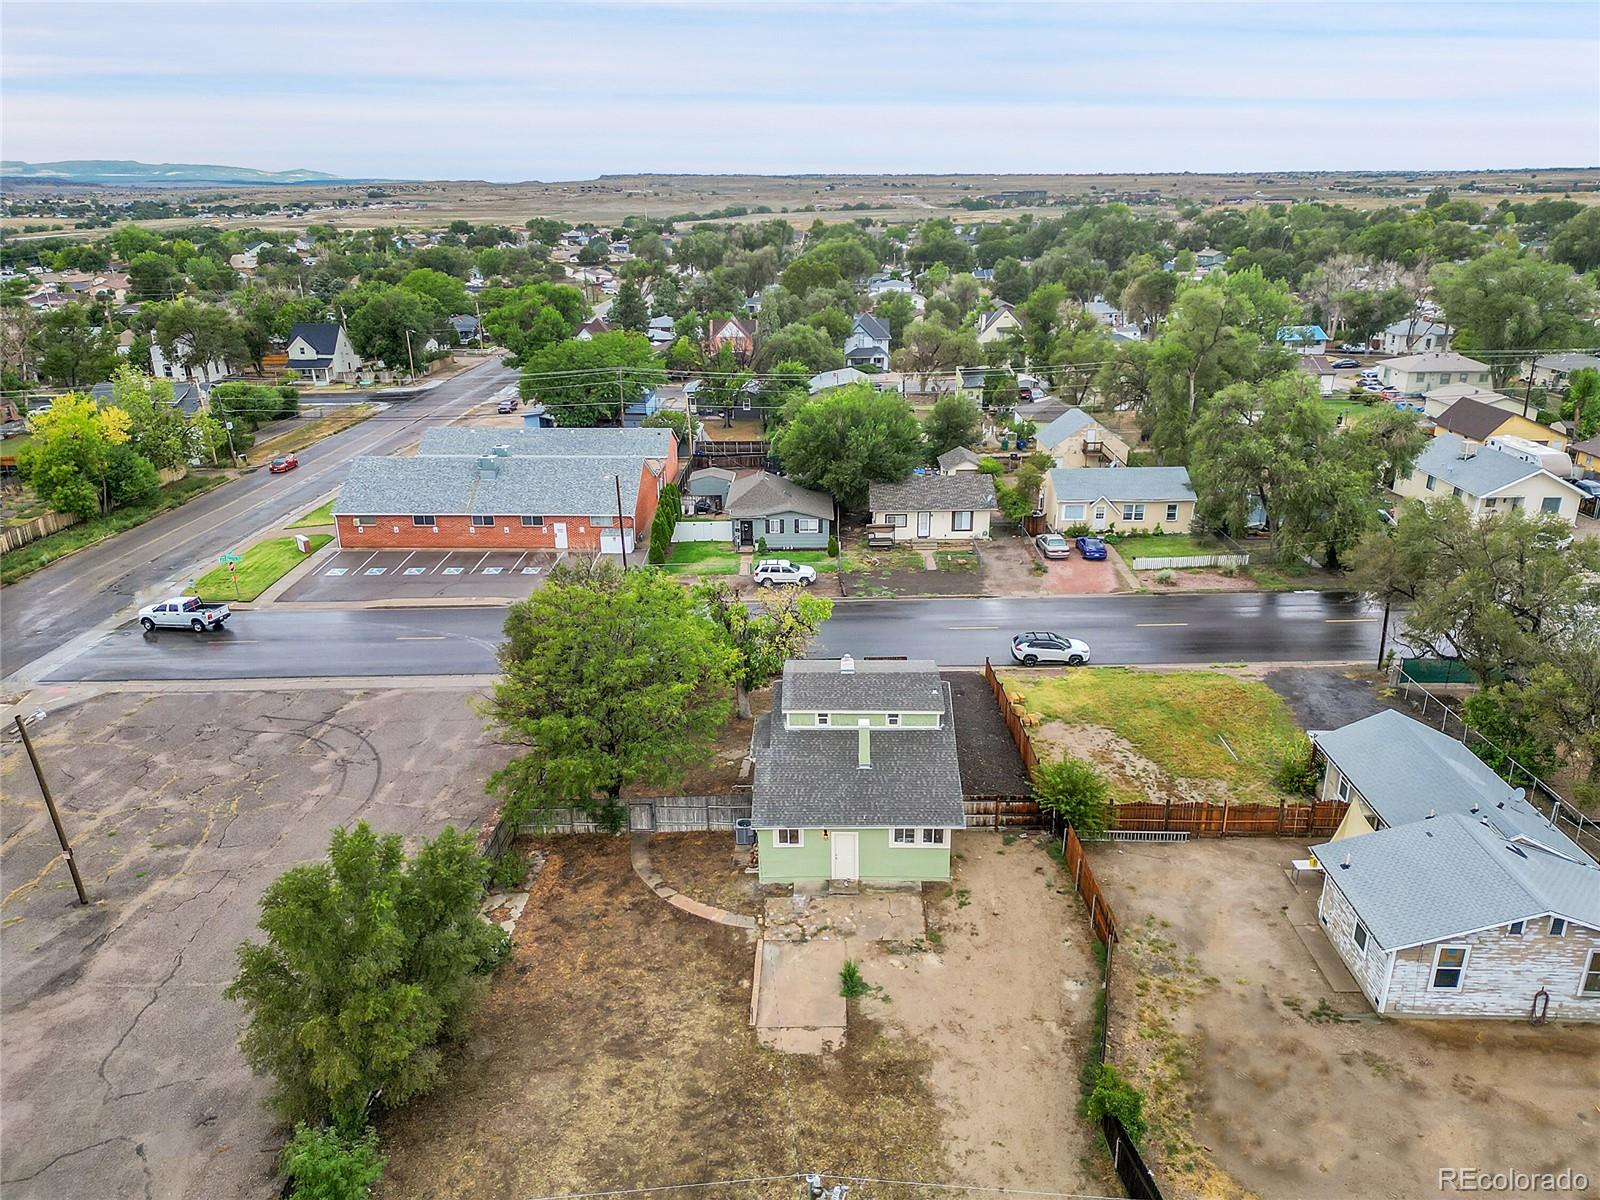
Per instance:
(1474,808)
(1500,804)
(1345,865)
(486,468)
(502,451)
(847,665)
(1431,815)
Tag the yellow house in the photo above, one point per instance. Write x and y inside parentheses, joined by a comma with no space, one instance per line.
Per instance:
(1123,498)
(1586,454)
(1475,421)
(1487,480)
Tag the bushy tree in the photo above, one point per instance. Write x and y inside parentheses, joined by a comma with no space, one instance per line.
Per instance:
(848,438)
(156,426)
(953,421)
(763,639)
(370,961)
(1508,301)
(629,311)
(527,319)
(323,1163)
(69,459)
(448,294)
(589,382)
(69,350)
(393,324)
(1075,791)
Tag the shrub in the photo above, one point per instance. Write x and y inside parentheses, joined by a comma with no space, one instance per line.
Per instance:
(833,546)
(1227,570)
(761,546)
(1076,792)
(1166,578)
(1297,770)
(324,1165)
(1114,1095)
(510,869)
(851,985)
(1081,529)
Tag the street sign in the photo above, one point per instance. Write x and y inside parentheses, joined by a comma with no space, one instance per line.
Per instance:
(230,558)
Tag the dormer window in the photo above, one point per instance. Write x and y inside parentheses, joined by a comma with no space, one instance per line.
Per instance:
(822,718)
(894,719)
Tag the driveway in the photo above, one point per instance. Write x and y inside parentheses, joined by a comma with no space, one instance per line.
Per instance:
(367,575)
(1008,570)
(122,1077)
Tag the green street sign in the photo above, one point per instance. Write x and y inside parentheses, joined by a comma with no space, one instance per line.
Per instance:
(230,558)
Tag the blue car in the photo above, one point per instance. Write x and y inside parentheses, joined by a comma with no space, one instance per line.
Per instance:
(1091,548)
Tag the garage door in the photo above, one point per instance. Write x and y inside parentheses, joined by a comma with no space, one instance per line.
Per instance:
(611,543)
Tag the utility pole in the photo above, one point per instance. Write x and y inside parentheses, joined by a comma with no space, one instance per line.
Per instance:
(55,817)
(409,358)
(622,534)
(1383,631)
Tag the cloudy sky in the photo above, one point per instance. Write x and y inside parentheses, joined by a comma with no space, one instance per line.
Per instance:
(507,91)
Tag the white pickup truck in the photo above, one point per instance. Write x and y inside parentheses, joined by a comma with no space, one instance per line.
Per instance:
(184,612)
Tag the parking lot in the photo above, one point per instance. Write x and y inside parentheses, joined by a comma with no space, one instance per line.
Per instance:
(422,574)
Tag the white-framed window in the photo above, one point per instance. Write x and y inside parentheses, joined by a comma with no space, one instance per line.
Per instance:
(1429,484)
(602,522)
(1344,787)
(482,521)
(1133,512)
(898,520)
(822,718)
(1590,984)
(1073,512)
(807,525)
(532,522)
(789,837)
(1491,501)
(1361,936)
(1172,513)
(933,837)
(894,718)
(902,837)
(360,521)
(1449,968)
(418,520)
(774,524)
(1550,504)
(1558,927)
(961,522)
(1515,928)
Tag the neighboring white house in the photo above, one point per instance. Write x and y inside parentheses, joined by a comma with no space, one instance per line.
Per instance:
(998,324)
(1436,402)
(1075,439)
(954,462)
(938,508)
(868,343)
(1418,374)
(1487,481)
(1415,335)
(321,352)
(1127,498)
(180,369)
(1552,371)
(833,379)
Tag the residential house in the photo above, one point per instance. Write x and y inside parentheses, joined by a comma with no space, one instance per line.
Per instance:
(1320,367)
(856,774)
(958,461)
(1104,312)
(868,343)
(939,508)
(1552,370)
(1130,499)
(1415,335)
(1487,480)
(591,328)
(833,379)
(736,332)
(467,329)
(885,285)
(185,396)
(321,352)
(503,489)
(762,505)
(1303,339)
(1209,259)
(179,369)
(1586,456)
(1418,374)
(1075,439)
(998,324)
(969,382)
(1476,422)
(1440,398)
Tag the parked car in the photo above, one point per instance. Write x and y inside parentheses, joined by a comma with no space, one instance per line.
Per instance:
(183,612)
(287,462)
(1344,364)
(780,570)
(507,406)
(1092,548)
(1053,545)
(1350,348)
(1589,487)
(1031,649)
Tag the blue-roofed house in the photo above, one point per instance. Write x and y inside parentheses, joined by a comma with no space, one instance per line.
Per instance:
(1124,498)
(1303,339)
(1487,480)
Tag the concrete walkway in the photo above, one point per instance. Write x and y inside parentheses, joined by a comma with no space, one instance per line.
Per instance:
(645,870)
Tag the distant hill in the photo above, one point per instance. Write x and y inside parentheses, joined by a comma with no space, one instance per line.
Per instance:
(137,174)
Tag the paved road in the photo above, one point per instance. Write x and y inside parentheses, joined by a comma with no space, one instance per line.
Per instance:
(1294,627)
(44,611)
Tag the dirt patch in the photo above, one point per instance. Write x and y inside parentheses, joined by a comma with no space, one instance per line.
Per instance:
(1002,994)
(1133,777)
(710,868)
(615,1051)
(1221,1013)
(1196,579)
(990,764)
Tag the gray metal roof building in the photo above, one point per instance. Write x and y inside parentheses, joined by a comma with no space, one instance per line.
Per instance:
(458,485)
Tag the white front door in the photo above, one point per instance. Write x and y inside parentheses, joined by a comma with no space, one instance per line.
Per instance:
(925,525)
(1099,516)
(561,535)
(846,855)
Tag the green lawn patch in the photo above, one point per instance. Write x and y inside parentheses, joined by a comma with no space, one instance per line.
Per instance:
(701,558)
(901,558)
(1281,577)
(1167,545)
(814,558)
(317,516)
(260,567)
(19,563)
(1176,720)
(956,560)
(1349,409)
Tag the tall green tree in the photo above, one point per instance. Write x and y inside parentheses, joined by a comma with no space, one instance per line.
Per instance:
(848,438)
(394,324)
(590,382)
(629,311)
(447,292)
(610,678)
(763,639)
(370,962)
(1508,306)
(527,319)
(196,334)
(157,430)
(69,458)
(953,421)
(69,351)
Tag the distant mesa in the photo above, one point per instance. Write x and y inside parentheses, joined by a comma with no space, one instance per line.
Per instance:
(121,173)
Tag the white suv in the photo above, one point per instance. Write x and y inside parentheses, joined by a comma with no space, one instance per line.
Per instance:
(780,570)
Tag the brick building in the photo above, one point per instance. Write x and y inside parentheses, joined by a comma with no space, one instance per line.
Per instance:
(530,489)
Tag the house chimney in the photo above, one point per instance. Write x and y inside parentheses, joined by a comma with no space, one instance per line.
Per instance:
(847,665)
(864,745)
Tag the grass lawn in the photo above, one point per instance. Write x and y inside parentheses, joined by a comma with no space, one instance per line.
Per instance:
(262,566)
(814,558)
(26,560)
(317,516)
(1349,408)
(956,560)
(1175,720)
(1168,545)
(1280,577)
(701,558)
(312,431)
(901,558)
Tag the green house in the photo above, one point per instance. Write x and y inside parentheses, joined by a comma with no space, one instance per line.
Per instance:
(856,774)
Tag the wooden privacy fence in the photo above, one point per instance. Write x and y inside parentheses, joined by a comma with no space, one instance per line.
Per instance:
(1019,733)
(664,814)
(1191,560)
(1101,919)
(1003,812)
(17,536)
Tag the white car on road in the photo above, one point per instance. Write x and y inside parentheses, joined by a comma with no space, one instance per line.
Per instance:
(183,612)
(780,570)
(1031,649)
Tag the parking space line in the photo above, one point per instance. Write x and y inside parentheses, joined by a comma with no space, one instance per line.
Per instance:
(369,558)
(479,563)
(439,566)
(405,560)
(511,570)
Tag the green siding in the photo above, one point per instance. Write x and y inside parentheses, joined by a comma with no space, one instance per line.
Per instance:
(877,720)
(878,858)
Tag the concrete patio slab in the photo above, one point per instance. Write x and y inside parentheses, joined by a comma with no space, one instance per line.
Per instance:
(799,1009)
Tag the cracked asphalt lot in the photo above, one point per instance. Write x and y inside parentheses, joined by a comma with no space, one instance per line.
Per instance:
(121,1073)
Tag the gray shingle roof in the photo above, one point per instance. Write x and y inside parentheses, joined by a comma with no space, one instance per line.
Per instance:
(321,336)
(1487,471)
(452,485)
(1063,427)
(1435,360)
(960,456)
(762,493)
(1122,483)
(810,779)
(874,327)
(969,491)
(1455,874)
(555,442)
(818,685)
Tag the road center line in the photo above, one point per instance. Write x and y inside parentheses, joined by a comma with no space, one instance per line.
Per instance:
(420,637)
(1160,624)
(1349,620)
(953,627)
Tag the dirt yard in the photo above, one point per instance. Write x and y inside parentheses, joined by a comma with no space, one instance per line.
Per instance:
(1003,1000)
(615,1051)
(710,868)
(720,773)
(1264,1081)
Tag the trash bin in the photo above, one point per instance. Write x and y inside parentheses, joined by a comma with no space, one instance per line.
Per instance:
(744,833)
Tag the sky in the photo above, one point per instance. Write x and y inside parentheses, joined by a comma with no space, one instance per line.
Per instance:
(504,91)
